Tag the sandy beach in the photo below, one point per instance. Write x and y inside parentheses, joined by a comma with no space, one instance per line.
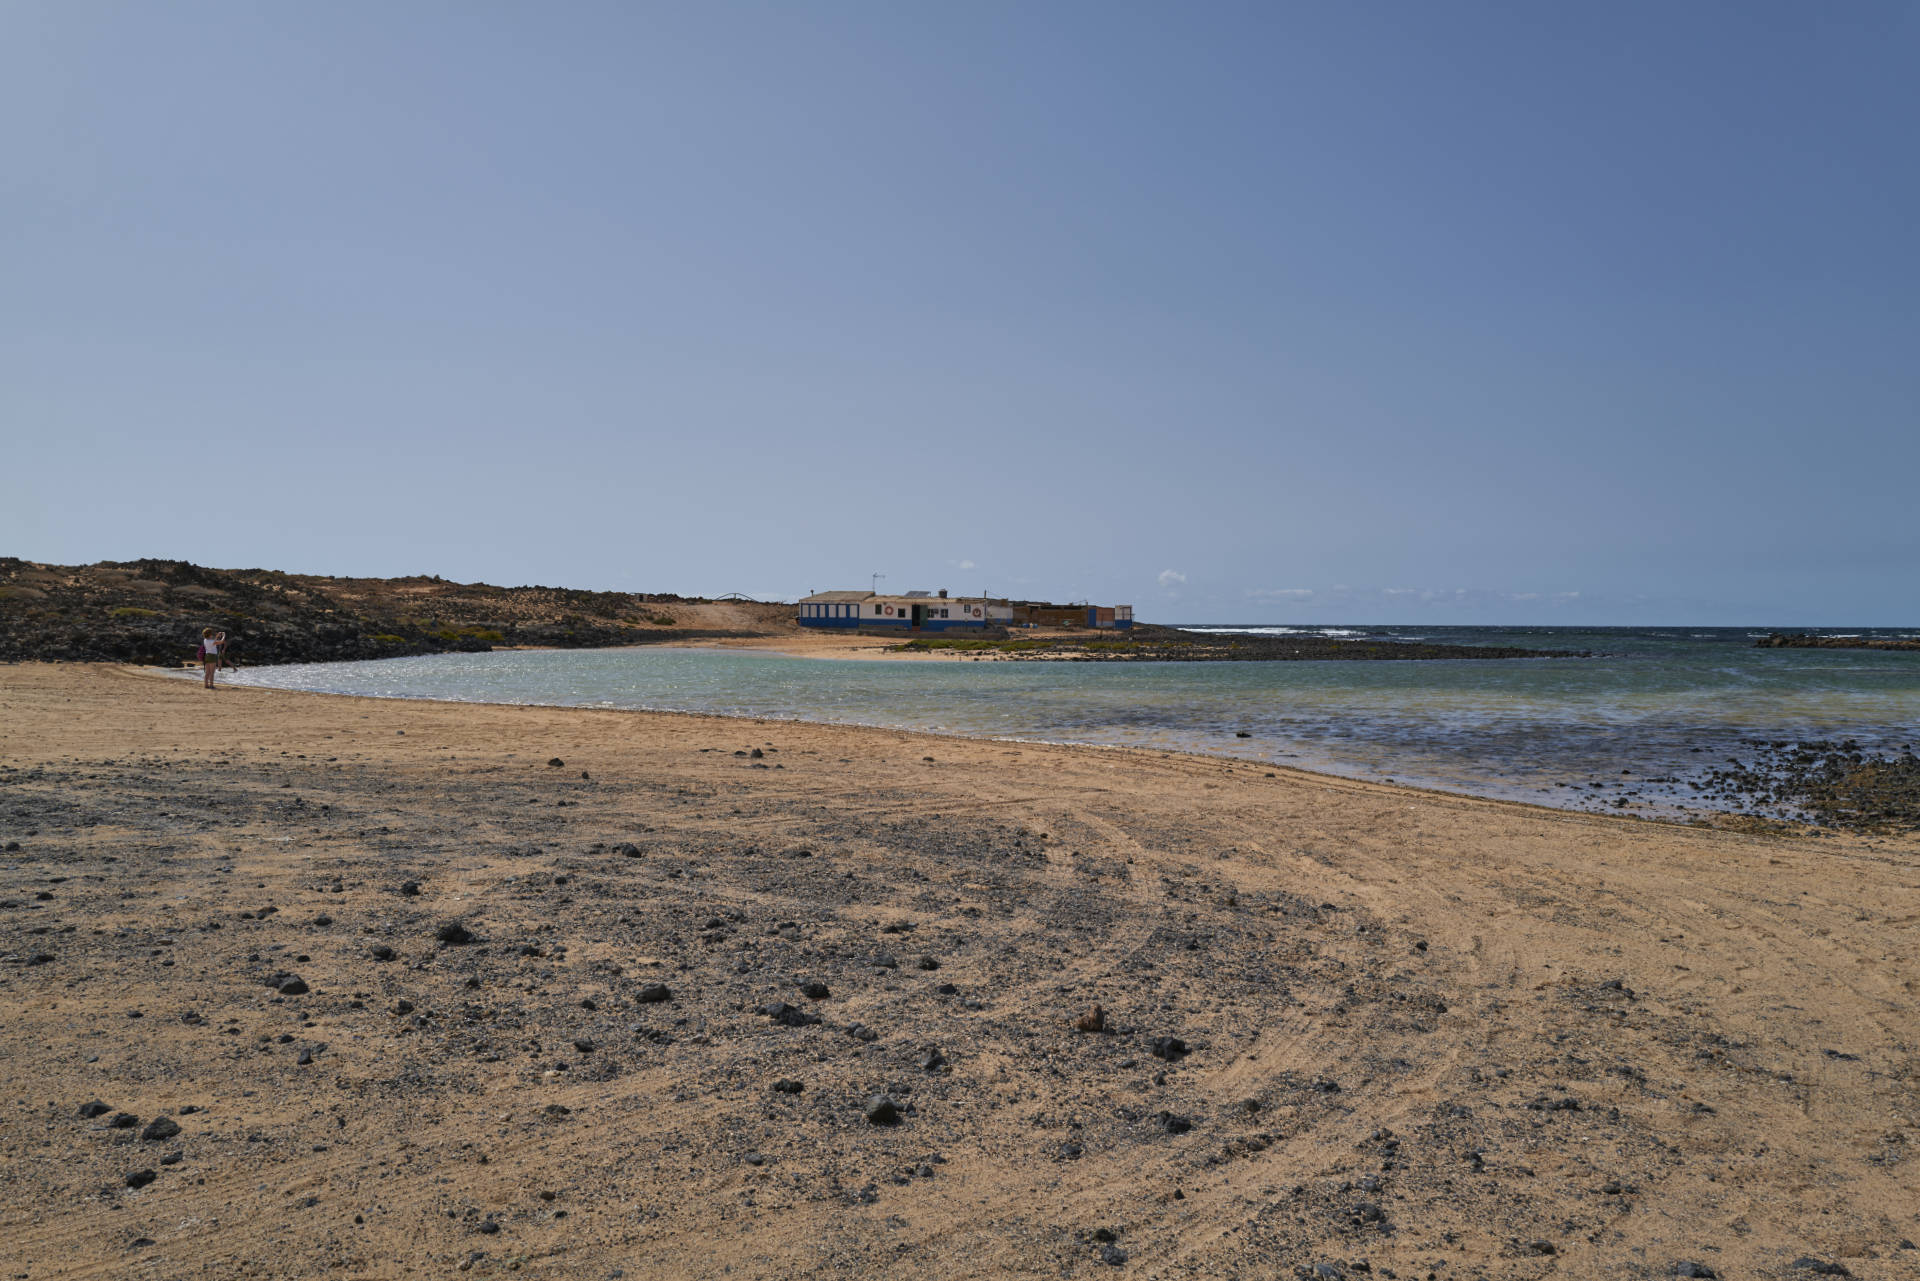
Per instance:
(297,985)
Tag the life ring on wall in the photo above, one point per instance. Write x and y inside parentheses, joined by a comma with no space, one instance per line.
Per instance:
(889,611)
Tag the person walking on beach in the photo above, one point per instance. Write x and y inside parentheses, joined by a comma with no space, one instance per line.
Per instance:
(210,644)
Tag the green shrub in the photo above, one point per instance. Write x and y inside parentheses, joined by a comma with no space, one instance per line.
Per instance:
(388,638)
(133,611)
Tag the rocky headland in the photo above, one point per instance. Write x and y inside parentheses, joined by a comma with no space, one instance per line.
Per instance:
(151,611)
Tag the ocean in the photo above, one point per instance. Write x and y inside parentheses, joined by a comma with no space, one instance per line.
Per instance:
(1632,729)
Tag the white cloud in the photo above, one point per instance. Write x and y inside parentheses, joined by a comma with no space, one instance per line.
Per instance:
(1171,578)
(1279,593)
(966,564)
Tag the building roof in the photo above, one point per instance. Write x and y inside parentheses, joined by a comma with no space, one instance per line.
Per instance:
(887,598)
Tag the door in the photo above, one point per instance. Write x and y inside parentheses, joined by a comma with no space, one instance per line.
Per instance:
(918,612)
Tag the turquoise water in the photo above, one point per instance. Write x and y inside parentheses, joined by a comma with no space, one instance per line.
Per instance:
(1539,729)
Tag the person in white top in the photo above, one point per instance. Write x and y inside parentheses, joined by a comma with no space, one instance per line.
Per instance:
(210,645)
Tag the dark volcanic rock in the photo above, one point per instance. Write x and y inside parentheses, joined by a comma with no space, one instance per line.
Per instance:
(140,1178)
(1819,1267)
(164,1127)
(93,1109)
(881,1110)
(1148,643)
(654,993)
(814,991)
(1170,1048)
(301,618)
(1833,784)
(1686,1268)
(123,1120)
(293,985)
(788,1086)
(454,932)
(1776,640)
(789,1016)
(380,952)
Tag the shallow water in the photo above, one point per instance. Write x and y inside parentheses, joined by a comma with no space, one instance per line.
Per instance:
(1541,730)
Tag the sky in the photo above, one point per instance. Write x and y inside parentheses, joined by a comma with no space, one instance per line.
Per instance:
(1263,312)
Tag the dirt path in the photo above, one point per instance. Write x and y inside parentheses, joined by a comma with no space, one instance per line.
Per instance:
(1423,1035)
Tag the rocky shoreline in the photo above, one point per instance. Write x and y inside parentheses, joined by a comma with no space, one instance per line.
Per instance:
(1778,640)
(1830,784)
(1150,643)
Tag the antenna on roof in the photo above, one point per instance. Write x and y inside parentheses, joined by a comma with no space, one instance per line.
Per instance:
(876,583)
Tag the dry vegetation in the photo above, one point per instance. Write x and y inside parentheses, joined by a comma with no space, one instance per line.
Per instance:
(152,611)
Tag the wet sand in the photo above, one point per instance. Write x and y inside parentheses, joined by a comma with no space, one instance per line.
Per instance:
(1348,1026)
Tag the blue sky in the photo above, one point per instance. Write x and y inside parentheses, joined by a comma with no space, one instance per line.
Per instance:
(1381,312)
